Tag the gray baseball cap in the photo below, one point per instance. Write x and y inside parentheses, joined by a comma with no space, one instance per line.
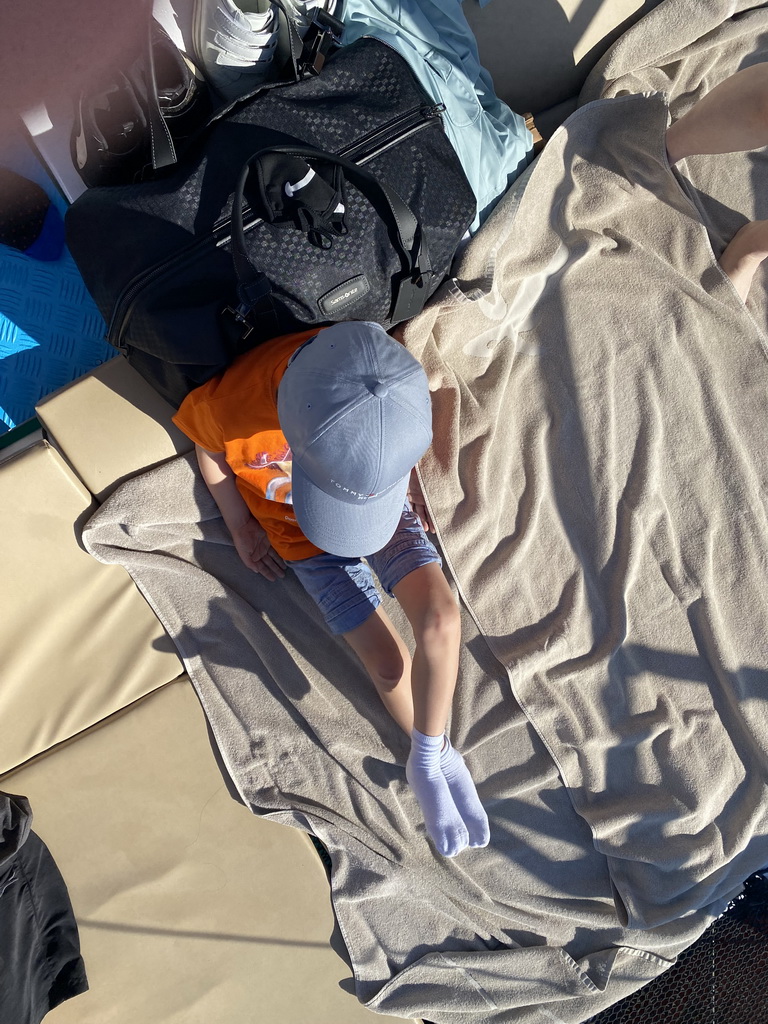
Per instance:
(354,406)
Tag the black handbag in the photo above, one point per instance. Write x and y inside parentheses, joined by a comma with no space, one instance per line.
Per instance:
(194,268)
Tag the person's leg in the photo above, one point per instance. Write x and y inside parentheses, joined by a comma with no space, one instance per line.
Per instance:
(350,604)
(409,568)
(434,615)
(431,609)
(345,593)
(388,662)
(443,801)
(732,118)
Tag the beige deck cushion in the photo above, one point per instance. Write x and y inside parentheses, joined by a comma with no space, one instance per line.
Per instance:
(110,424)
(539,52)
(191,910)
(77,640)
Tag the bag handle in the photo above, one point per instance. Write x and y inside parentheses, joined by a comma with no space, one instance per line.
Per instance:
(407,237)
(161,143)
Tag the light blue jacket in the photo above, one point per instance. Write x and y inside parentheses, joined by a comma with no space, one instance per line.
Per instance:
(492,142)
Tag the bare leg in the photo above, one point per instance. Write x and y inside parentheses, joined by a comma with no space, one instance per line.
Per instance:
(388,662)
(732,118)
(417,693)
(418,696)
(426,599)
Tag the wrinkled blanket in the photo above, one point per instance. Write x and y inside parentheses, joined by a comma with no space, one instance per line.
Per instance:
(598,480)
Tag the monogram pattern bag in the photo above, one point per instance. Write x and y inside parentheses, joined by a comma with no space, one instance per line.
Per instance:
(336,197)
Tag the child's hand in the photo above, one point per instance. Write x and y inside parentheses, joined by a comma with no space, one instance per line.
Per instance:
(257,553)
(418,504)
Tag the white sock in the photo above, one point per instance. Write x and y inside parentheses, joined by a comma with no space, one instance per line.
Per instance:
(464,793)
(425,777)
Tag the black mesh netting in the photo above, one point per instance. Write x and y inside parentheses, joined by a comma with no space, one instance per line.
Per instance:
(721,979)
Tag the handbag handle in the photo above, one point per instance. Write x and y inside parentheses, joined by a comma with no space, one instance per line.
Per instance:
(407,237)
(161,144)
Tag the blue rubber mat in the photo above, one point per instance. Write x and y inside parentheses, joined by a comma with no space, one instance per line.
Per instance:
(50,330)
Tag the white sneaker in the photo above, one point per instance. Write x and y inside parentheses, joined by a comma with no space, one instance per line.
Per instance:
(235,43)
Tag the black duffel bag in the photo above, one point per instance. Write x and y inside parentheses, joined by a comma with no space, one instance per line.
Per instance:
(338,197)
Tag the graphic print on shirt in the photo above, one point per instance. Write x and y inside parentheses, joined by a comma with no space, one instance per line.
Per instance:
(271,473)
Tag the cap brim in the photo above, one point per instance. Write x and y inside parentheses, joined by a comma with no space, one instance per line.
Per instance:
(350,531)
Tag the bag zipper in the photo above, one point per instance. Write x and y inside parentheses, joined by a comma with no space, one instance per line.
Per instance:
(379,140)
(370,146)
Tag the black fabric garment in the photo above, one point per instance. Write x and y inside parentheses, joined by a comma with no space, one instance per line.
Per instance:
(40,962)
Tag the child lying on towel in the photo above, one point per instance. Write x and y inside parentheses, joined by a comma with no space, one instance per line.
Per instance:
(307,445)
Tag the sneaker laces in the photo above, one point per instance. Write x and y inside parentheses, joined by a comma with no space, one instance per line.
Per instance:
(242,27)
(242,40)
(231,50)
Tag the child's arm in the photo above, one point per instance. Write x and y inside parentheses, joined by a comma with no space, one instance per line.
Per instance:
(250,539)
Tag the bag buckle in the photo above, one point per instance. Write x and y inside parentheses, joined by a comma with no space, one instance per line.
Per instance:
(240,315)
(255,305)
(322,39)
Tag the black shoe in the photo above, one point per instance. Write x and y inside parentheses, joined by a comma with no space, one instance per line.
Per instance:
(110,142)
(109,138)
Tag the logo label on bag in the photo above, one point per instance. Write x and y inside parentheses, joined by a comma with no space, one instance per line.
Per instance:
(343,295)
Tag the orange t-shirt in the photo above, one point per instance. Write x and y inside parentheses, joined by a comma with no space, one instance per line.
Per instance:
(236,413)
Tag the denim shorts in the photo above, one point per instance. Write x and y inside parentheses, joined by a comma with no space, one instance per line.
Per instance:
(343,588)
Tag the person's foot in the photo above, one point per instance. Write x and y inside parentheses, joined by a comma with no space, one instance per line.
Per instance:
(744,254)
